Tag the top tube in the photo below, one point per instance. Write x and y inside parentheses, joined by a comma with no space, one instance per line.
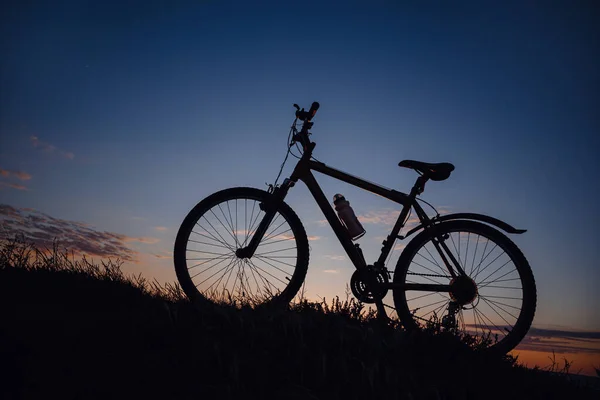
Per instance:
(390,194)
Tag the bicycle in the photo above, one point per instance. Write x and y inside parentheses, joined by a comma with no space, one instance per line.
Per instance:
(268,255)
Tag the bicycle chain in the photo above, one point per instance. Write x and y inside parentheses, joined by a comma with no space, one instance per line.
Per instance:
(429,275)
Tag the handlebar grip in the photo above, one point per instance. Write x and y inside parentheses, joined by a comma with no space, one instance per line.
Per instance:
(313,110)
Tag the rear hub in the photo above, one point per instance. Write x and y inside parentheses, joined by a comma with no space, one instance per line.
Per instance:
(463,290)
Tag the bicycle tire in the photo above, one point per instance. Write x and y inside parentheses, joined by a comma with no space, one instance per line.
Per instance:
(182,269)
(528,304)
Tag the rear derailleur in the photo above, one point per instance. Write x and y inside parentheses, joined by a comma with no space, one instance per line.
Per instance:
(449,320)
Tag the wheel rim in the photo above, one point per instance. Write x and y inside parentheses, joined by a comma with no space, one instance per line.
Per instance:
(222,277)
(489,311)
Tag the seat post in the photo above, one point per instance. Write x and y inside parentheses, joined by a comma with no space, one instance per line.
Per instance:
(419,186)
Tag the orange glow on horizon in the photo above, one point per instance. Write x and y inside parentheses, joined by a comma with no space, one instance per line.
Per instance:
(582,363)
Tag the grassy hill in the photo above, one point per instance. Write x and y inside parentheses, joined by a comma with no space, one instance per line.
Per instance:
(78,330)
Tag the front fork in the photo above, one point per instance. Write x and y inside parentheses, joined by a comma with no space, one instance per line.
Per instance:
(269,207)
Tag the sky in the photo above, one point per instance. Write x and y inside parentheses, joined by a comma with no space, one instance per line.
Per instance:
(116,118)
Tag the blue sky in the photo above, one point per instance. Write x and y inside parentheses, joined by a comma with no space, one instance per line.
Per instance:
(123,115)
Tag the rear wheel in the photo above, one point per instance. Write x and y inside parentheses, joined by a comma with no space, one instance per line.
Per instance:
(206,263)
(495,301)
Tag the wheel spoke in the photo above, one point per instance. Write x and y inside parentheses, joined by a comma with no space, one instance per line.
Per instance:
(265,280)
(483,259)
(274,251)
(474,254)
(467,251)
(430,270)
(491,262)
(423,295)
(484,283)
(494,309)
(498,269)
(208,244)
(217,232)
(268,273)
(206,269)
(212,237)
(435,262)
(454,245)
(275,241)
(502,280)
(226,269)
(281,262)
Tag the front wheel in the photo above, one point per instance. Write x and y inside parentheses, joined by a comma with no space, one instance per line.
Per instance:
(208,267)
(493,303)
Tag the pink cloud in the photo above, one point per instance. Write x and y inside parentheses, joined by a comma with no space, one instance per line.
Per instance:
(165,255)
(145,240)
(13,185)
(42,230)
(48,148)
(24,176)
(161,228)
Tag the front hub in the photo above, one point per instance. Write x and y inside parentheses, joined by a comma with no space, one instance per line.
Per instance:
(463,290)
(242,252)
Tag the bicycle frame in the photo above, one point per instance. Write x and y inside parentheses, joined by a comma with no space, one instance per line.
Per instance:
(303,172)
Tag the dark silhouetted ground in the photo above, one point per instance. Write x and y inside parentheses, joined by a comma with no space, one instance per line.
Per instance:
(75,330)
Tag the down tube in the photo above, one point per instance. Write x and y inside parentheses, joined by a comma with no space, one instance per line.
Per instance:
(336,225)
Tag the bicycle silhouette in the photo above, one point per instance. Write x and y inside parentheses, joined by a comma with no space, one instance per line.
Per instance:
(459,271)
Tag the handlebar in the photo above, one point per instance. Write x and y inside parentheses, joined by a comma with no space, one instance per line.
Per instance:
(307,115)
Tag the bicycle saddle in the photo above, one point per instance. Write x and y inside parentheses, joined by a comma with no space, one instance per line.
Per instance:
(435,172)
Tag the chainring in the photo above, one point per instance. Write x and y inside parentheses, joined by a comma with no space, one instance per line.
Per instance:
(361,288)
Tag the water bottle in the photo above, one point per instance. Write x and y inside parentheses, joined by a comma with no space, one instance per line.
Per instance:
(346,215)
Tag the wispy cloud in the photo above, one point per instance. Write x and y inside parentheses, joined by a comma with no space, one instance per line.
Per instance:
(13,185)
(24,176)
(385,217)
(331,271)
(145,240)
(561,341)
(42,230)
(312,238)
(161,228)
(164,255)
(48,148)
(335,257)
(555,333)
